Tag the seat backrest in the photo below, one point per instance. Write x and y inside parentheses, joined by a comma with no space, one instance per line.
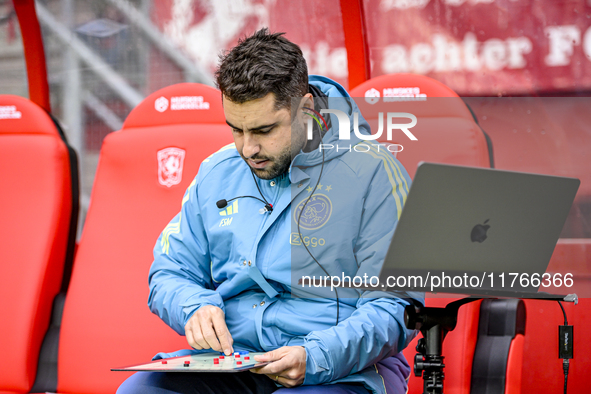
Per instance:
(501,321)
(458,349)
(446,130)
(35,228)
(143,172)
(544,316)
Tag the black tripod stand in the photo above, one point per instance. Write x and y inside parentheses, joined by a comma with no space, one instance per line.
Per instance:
(434,324)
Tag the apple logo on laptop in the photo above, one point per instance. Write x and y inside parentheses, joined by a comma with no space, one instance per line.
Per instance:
(479,232)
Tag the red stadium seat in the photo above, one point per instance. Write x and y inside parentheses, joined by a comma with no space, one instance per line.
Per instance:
(458,349)
(446,132)
(143,172)
(37,229)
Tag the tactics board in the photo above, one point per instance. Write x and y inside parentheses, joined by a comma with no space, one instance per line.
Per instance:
(204,362)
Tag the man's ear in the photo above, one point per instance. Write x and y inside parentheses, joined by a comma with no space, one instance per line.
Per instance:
(306,101)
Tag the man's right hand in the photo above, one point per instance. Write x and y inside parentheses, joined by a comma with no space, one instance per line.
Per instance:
(207,329)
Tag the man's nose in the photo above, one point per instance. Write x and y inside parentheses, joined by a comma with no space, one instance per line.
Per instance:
(251,146)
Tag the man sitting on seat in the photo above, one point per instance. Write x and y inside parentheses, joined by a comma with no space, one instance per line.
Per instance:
(276,205)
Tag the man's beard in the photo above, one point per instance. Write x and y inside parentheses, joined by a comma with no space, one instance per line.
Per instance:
(277,165)
(280,164)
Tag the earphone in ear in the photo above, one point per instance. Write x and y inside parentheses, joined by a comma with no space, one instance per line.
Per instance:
(317,117)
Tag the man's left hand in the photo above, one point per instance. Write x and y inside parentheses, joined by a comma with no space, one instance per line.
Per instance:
(287,365)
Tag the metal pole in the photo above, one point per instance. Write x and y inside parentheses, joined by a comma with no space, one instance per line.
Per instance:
(193,73)
(72,111)
(72,108)
(102,111)
(94,62)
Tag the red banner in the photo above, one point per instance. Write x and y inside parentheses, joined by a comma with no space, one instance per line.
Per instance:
(477,47)
(484,47)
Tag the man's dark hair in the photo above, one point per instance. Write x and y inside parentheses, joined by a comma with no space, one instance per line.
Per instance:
(261,64)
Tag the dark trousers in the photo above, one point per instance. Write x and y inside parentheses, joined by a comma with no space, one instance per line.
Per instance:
(221,383)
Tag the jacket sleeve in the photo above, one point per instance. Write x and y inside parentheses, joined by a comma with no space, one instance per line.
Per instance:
(376,329)
(180,278)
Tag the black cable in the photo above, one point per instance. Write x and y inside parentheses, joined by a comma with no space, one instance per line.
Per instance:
(300,232)
(235,198)
(268,207)
(258,188)
(563,313)
(301,238)
(565,361)
(565,365)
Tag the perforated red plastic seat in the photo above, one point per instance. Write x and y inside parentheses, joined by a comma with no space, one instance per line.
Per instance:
(35,228)
(143,172)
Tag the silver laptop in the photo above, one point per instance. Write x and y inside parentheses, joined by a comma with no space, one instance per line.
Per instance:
(489,231)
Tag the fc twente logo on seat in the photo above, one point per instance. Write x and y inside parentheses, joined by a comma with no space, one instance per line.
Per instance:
(170,166)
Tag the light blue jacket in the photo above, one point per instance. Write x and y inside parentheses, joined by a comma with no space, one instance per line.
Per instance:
(248,263)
